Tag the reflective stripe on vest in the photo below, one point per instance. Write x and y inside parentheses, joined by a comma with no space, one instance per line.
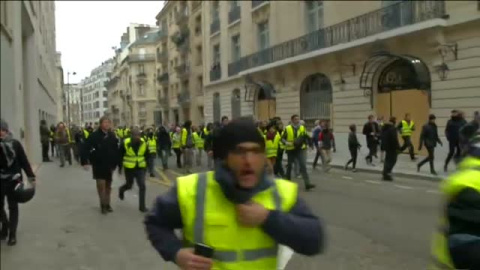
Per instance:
(209,218)
(407,129)
(468,176)
(152,146)
(199,143)
(291,136)
(130,159)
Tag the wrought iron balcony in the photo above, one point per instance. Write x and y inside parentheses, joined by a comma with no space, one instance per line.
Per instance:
(180,37)
(234,14)
(215,26)
(140,57)
(141,74)
(163,78)
(162,56)
(182,70)
(215,73)
(393,16)
(256,3)
(184,97)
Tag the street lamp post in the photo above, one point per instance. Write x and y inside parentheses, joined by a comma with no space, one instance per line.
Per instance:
(68,96)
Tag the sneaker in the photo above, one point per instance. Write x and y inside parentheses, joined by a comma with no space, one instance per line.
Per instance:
(309,187)
(143,209)
(121,195)
(12,240)
(387,178)
(434,172)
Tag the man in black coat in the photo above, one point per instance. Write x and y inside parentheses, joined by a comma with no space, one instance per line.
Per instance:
(164,145)
(371,130)
(452,132)
(101,152)
(391,145)
(429,138)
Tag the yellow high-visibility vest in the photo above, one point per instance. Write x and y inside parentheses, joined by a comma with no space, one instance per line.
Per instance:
(205,131)
(281,145)
(468,176)
(152,145)
(176,140)
(199,143)
(218,227)
(130,159)
(271,146)
(86,133)
(291,136)
(407,129)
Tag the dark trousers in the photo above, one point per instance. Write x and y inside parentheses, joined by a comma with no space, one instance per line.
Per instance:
(139,176)
(318,154)
(429,158)
(407,143)
(9,222)
(164,153)
(178,153)
(390,161)
(52,146)
(45,146)
(372,151)
(278,168)
(353,157)
(151,164)
(466,256)
(453,149)
(297,155)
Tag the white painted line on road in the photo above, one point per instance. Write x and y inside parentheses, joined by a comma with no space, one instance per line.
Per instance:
(433,191)
(284,255)
(373,182)
(403,187)
(347,177)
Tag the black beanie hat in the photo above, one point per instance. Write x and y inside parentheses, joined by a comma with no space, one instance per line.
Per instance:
(236,132)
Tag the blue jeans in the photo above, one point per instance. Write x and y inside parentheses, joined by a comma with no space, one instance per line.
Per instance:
(164,153)
(300,157)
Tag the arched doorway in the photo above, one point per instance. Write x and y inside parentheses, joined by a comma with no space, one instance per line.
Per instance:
(404,87)
(266,103)
(216,107)
(236,110)
(316,98)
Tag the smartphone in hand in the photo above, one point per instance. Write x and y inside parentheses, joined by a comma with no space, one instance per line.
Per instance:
(203,250)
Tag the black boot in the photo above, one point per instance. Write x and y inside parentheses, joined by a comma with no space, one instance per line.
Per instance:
(109,208)
(12,239)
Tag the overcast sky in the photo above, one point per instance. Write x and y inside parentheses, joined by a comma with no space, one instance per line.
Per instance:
(87,30)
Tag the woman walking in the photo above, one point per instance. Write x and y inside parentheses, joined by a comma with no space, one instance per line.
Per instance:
(176,145)
(101,152)
(12,161)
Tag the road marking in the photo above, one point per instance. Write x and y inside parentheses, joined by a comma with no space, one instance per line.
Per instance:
(347,177)
(284,254)
(433,191)
(403,187)
(164,177)
(373,182)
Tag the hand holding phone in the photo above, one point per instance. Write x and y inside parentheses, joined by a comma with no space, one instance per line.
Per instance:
(203,250)
(187,259)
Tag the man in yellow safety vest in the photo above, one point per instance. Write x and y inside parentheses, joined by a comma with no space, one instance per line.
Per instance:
(456,244)
(199,144)
(235,217)
(151,140)
(406,127)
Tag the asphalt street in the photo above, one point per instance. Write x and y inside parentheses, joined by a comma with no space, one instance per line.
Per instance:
(370,224)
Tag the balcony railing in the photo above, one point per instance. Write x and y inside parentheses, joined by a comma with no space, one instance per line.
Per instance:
(234,14)
(215,26)
(140,57)
(378,21)
(163,78)
(182,70)
(183,98)
(215,73)
(256,3)
(162,56)
(141,74)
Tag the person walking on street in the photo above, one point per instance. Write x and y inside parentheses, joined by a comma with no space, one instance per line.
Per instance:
(272,140)
(295,139)
(12,161)
(319,125)
(391,145)
(371,131)
(353,147)
(406,127)
(52,140)
(199,145)
(380,122)
(188,146)
(208,144)
(456,243)
(452,132)
(326,142)
(258,213)
(152,150)
(135,158)
(45,140)
(177,146)
(468,130)
(63,139)
(164,145)
(278,169)
(100,151)
(429,138)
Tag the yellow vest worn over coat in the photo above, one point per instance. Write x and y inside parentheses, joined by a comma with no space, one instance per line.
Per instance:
(407,129)
(210,218)
(199,143)
(152,145)
(291,136)
(468,176)
(271,146)
(130,159)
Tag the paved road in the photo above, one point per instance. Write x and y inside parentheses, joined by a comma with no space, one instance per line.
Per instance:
(370,224)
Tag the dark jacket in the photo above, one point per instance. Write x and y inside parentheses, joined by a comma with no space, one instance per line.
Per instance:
(353,141)
(20,161)
(368,128)
(208,140)
(429,136)
(299,229)
(389,138)
(136,147)
(452,130)
(44,133)
(101,150)
(163,138)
